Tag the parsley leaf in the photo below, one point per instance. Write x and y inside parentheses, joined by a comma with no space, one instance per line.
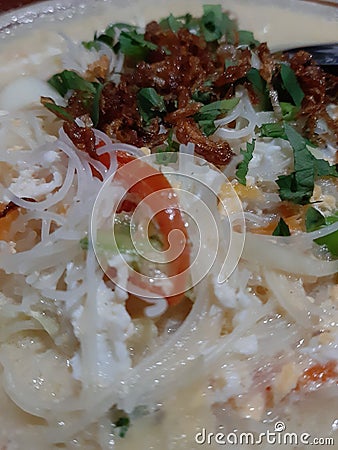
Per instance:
(243,166)
(258,83)
(172,146)
(298,186)
(69,80)
(291,84)
(211,22)
(121,26)
(134,45)
(171,23)
(289,111)
(108,37)
(174,24)
(282,229)
(259,86)
(329,220)
(247,38)
(273,130)
(323,168)
(209,113)
(91,44)
(122,424)
(289,189)
(201,96)
(168,154)
(59,111)
(215,23)
(214,109)
(95,113)
(313,219)
(190,23)
(208,127)
(330,240)
(149,103)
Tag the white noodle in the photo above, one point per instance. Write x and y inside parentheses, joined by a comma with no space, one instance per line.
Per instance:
(291,296)
(53,199)
(267,251)
(243,110)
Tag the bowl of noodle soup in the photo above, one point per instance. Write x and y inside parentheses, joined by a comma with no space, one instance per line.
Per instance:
(114,151)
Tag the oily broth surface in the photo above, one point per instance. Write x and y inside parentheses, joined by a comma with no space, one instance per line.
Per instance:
(36,49)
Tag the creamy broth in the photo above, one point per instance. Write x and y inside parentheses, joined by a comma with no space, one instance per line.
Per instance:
(35,49)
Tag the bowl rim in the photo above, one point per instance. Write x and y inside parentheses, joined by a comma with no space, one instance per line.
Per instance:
(28,14)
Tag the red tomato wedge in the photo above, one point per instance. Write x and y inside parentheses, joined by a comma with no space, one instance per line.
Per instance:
(147,184)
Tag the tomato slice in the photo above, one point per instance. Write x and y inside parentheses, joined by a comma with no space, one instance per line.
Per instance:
(154,189)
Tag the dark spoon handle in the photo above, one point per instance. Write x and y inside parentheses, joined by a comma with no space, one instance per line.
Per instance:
(325,55)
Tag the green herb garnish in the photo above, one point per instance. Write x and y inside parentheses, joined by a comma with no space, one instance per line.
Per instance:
(298,186)
(108,37)
(172,146)
(171,23)
(190,23)
(89,45)
(330,241)
(313,219)
(293,190)
(202,96)
(59,111)
(260,88)
(122,425)
(272,130)
(329,220)
(209,113)
(289,111)
(247,38)
(168,154)
(291,84)
(243,166)
(150,103)
(134,45)
(258,83)
(69,80)
(95,113)
(281,229)
(215,23)
(323,168)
